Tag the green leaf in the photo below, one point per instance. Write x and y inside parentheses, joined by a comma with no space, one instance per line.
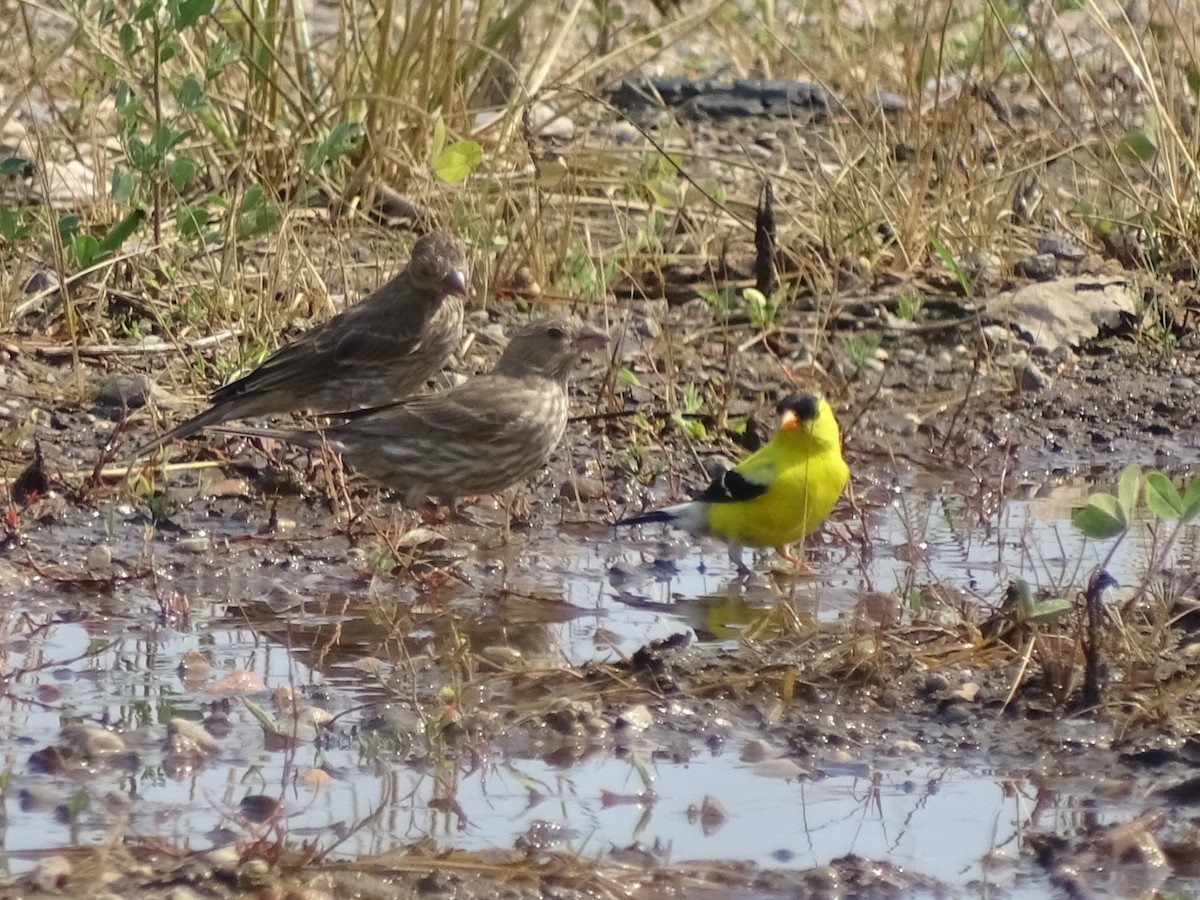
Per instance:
(1101,518)
(191,219)
(190,93)
(439,138)
(1048,610)
(106,65)
(694,428)
(1192,73)
(13,166)
(68,226)
(77,804)
(943,253)
(1031,610)
(343,139)
(457,161)
(12,229)
(1161,497)
(182,170)
(1129,486)
(255,215)
(265,721)
(221,55)
(1026,601)
(127,102)
(1191,500)
(188,12)
(713,189)
(121,232)
(647,35)
(122,184)
(625,376)
(755,299)
(164,140)
(140,155)
(83,250)
(128,40)
(1136,146)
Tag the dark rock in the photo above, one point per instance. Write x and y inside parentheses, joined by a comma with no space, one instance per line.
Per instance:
(1039,267)
(124,391)
(1059,247)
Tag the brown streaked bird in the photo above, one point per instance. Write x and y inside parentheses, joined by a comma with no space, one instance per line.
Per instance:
(480,437)
(375,352)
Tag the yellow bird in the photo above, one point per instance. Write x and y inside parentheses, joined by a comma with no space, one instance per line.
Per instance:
(777,495)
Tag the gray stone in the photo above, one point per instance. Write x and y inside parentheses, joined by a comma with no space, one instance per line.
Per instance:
(1029,378)
(1065,311)
(1040,267)
(190,739)
(1059,247)
(124,391)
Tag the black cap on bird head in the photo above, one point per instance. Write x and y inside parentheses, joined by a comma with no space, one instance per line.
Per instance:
(798,409)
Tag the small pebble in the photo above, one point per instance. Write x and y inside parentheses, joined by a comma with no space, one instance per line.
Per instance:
(637,718)
(92,741)
(1029,378)
(124,391)
(190,739)
(1059,247)
(1040,267)
(582,488)
(99,558)
(996,336)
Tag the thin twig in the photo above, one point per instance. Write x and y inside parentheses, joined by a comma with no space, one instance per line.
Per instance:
(144,347)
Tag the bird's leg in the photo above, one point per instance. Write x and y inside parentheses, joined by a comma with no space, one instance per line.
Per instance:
(338,490)
(427,514)
(798,561)
(735,557)
(519,505)
(455,514)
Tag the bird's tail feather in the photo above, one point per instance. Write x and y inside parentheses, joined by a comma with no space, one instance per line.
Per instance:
(277,434)
(691,516)
(187,429)
(658,515)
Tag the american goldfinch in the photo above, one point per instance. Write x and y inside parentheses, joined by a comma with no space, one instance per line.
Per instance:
(375,352)
(480,437)
(775,496)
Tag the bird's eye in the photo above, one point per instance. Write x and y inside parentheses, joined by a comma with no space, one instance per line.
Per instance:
(556,333)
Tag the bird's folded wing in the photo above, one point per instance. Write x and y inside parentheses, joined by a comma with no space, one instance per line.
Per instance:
(300,361)
(366,348)
(359,336)
(483,415)
(739,485)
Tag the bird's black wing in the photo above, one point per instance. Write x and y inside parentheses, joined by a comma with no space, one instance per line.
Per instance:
(731,487)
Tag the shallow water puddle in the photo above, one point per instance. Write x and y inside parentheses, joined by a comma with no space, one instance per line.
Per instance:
(566,594)
(649,585)
(944,821)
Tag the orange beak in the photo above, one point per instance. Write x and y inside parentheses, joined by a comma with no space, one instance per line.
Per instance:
(789,422)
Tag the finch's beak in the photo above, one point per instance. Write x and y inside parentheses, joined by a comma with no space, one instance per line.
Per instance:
(456,283)
(589,338)
(798,411)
